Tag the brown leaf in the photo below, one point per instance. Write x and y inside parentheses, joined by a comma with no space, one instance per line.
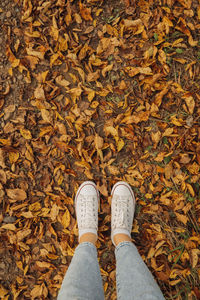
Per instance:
(190,102)
(98,141)
(16,194)
(39,93)
(22,234)
(185,159)
(194,257)
(3,177)
(46,115)
(2,159)
(9,227)
(132,23)
(1,103)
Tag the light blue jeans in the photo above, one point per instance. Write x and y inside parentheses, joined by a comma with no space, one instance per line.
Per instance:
(83,279)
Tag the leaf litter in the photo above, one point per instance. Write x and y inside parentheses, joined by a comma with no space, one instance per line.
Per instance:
(91,90)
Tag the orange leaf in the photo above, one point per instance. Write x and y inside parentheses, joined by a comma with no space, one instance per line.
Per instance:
(13,157)
(85,12)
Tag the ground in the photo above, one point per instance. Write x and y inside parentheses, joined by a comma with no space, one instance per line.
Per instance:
(102,91)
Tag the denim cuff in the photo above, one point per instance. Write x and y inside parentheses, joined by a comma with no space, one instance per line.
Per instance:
(122,244)
(86,245)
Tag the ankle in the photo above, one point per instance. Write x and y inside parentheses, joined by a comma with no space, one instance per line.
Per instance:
(88,237)
(121,237)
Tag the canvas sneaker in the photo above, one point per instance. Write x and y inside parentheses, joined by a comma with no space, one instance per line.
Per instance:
(122,209)
(86,205)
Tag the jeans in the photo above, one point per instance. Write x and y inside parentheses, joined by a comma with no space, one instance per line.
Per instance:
(83,279)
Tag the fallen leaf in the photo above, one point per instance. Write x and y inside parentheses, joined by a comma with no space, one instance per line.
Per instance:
(8,227)
(190,102)
(85,12)
(16,194)
(26,133)
(66,218)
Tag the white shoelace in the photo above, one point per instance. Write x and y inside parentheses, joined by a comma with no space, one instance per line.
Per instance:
(121,214)
(88,214)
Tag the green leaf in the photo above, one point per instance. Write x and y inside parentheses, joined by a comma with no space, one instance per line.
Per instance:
(179,51)
(167,159)
(165,140)
(155,36)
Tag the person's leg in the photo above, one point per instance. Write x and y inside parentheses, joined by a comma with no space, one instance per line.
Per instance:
(134,280)
(83,279)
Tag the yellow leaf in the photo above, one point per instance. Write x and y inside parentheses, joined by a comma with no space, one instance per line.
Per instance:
(182,218)
(9,227)
(132,71)
(107,69)
(25,133)
(194,255)
(111,130)
(39,93)
(190,102)
(22,234)
(13,157)
(194,168)
(43,264)
(98,141)
(168,132)
(66,219)
(190,189)
(174,282)
(3,292)
(156,137)
(120,144)
(35,206)
(94,104)
(91,95)
(46,115)
(60,80)
(159,96)
(191,41)
(5,142)
(198,12)
(53,59)
(113,170)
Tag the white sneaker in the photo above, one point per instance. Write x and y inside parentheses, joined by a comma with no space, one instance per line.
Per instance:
(86,204)
(122,209)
